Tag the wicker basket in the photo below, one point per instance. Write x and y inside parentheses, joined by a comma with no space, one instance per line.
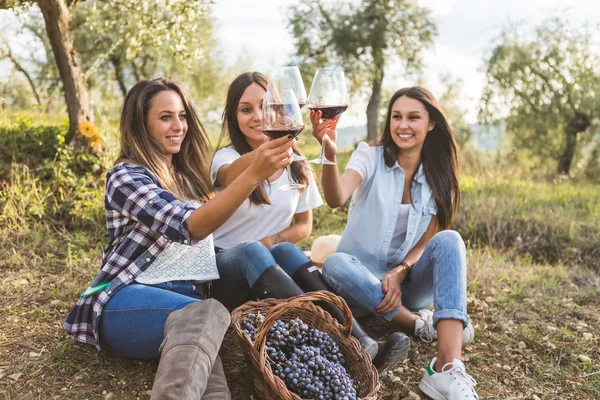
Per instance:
(269,386)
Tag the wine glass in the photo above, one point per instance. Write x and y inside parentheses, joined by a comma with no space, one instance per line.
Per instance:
(282,117)
(287,78)
(328,94)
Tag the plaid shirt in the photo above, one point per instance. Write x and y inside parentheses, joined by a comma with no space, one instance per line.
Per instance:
(142,218)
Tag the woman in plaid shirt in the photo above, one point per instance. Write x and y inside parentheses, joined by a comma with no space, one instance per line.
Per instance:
(159,263)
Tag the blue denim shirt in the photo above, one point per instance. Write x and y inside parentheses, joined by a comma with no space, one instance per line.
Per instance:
(372,217)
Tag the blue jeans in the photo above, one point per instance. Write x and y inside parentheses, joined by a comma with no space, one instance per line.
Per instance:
(133,321)
(438,278)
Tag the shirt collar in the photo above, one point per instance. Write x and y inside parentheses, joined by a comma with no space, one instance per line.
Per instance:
(419,176)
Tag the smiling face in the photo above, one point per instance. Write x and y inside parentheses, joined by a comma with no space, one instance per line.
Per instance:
(167,122)
(409,123)
(249,114)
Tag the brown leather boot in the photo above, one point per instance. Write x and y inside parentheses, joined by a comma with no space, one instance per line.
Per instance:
(193,336)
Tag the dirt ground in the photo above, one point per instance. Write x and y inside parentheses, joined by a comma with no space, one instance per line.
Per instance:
(536,338)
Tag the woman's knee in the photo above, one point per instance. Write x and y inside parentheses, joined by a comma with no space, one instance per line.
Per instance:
(289,257)
(288,251)
(449,239)
(337,266)
(249,249)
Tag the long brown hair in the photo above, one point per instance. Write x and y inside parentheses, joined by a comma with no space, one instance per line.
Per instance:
(439,154)
(231,129)
(187,177)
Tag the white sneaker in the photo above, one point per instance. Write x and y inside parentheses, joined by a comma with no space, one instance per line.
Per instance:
(425,331)
(453,383)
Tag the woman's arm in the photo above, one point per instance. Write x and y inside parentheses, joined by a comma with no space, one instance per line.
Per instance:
(300,230)
(337,190)
(270,157)
(228,172)
(415,253)
(391,283)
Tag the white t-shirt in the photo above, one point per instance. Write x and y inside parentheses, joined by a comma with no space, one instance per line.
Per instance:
(363,162)
(254,222)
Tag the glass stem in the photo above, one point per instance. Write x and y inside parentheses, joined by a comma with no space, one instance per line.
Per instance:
(323,149)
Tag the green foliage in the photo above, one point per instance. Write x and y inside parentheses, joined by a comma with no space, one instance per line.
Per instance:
(362,36)
(545,222)
(24,142)
(45,178)
(550,84)
(172,39)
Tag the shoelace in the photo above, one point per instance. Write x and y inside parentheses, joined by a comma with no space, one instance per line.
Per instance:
(466,378)
(427,333)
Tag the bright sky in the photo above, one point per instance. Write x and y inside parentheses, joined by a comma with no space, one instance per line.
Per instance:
(256,31)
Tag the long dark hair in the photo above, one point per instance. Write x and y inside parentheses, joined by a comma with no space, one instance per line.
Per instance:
(439,154)
(187,177)
(231,129)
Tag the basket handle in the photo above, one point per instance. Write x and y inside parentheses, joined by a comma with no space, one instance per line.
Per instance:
(276,311)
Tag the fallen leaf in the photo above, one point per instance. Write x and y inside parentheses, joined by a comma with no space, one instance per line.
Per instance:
(583,358)
(15,376)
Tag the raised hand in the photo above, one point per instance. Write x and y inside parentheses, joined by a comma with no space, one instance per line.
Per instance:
(271,156)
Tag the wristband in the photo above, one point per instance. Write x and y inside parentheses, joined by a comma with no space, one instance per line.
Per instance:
(407,267)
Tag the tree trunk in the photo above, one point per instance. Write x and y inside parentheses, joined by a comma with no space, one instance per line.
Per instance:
(119,75)
(373,107)
(56,16)
(579,123)
(136,72)
(22,70)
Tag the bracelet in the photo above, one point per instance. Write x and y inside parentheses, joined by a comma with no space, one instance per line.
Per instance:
(407,267)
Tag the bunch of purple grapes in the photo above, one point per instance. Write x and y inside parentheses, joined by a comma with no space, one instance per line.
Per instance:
(308,360)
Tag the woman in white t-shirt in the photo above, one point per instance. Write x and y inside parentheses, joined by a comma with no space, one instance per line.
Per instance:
(278,219)
(268,215)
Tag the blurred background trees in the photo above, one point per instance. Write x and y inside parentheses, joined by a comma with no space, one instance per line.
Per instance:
(82,56)
(105,47)
(363,37)
(550,84)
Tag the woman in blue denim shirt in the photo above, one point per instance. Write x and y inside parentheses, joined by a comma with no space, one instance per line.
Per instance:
(396,253)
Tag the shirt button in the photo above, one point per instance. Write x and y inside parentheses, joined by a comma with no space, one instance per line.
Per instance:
(185,241)
(148,259)
(151,202)
(109,292)
(386,243)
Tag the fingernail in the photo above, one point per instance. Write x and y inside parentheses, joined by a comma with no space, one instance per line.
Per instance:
(384,290)
(334,119)
(328,126)
(290,136)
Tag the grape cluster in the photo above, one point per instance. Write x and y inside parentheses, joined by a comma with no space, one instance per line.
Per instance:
(308,360)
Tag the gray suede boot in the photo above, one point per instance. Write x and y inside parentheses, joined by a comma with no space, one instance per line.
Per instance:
(193,336)
(216,387)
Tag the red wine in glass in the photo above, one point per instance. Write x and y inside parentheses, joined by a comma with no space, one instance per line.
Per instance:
(330,111)
(278,133)
(301,104)
(328,94)
(281,117)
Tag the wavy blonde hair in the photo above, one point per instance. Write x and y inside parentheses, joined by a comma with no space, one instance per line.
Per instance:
(188,175)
